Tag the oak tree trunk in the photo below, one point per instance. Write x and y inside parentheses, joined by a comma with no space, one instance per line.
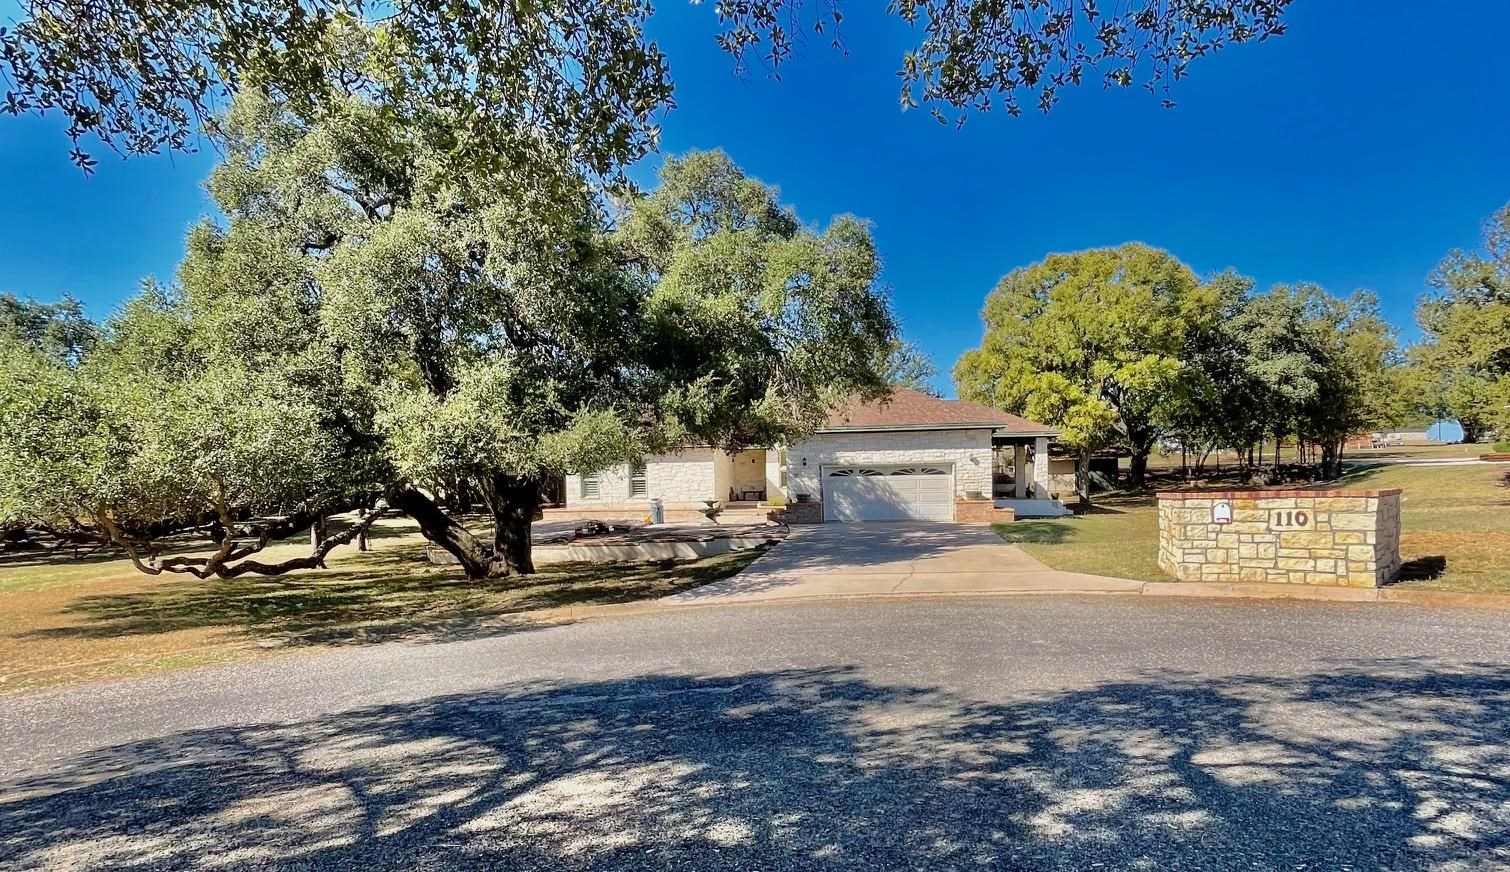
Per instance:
(1331,461)
(1083,478)
(513,501)
(1137,468)
(362,536)
(476,559)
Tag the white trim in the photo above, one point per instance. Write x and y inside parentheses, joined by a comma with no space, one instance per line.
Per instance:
(996,429)
(884,428)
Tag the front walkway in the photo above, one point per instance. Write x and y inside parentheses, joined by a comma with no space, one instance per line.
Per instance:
(896,559)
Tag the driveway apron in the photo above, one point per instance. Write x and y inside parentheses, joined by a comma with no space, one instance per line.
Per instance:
(895,559)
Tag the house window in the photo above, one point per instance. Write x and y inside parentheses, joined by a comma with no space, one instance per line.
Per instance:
(637,479)
(590,486)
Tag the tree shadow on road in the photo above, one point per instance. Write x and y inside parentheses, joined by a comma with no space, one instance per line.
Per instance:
(1396,765)
(1035,532)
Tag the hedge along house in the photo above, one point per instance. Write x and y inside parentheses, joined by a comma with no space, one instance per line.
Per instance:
(908,457)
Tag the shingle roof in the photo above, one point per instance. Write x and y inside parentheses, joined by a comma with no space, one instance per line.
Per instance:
(907,409)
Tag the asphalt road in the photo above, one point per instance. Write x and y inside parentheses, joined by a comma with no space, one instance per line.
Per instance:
(1022,733)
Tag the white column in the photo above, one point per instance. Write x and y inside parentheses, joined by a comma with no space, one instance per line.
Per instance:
(1041,467)
(1020,470)
(775,465)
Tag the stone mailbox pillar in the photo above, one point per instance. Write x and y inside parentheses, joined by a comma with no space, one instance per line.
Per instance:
(1337,537)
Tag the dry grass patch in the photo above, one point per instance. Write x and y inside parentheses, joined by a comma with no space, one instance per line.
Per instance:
(63,621)
(1455,524)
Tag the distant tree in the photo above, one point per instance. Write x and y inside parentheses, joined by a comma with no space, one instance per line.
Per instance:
(59,331)
(1276,345)
(907,366)
(1319,368)
(1219,403)
(1090,342)
(143,75)
(1464,356)
(40,344)
(1362,378)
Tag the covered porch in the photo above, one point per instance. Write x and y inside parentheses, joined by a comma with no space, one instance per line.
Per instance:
(1020,474)
(751,477)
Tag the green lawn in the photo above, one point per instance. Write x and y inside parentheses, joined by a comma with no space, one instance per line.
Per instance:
(1120,537)
(1455,530)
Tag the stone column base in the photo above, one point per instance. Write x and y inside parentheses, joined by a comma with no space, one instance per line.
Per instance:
(810,512)
(981,512)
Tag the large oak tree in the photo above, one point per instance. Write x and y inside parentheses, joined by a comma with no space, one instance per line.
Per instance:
(1092,343)
(361,325)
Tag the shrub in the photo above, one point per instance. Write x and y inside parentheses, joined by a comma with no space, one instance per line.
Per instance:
(1502,448)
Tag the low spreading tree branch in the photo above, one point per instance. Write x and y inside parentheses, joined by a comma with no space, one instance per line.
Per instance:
(316,558)
(224,562)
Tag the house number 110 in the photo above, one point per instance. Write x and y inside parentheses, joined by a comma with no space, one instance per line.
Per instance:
(1280,519)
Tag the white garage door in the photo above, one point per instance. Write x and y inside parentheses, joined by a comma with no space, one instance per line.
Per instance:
(918,492)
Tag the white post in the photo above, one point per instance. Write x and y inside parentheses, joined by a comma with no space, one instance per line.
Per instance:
(1020,470)
(1041,467)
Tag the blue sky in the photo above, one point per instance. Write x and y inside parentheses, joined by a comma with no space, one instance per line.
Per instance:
(1353,152)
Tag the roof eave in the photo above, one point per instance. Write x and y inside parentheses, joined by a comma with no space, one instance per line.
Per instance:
(982,425)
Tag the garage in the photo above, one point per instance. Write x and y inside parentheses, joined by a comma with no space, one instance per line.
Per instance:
(910,492)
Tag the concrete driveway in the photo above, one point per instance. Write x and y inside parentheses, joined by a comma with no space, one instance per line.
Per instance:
(894,559)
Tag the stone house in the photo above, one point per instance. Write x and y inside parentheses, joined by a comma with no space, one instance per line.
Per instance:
(908,457)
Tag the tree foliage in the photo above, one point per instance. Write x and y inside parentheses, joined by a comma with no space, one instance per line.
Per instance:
(59,331)
(909,367)
(144,75)
(974,56)
(1463,359)
(1124,347)
(1320,368)
(1220,399)
(1090,342)
(363,328)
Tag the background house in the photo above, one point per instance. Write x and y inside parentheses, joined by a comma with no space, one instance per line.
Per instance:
(909,457)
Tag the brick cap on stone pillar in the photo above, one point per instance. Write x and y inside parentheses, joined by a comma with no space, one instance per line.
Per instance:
(1272,494)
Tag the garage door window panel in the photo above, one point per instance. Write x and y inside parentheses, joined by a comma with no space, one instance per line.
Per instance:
(920,492)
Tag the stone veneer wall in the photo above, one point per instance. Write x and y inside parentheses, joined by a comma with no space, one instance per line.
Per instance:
(1349,538)
(968,450)
(681,480)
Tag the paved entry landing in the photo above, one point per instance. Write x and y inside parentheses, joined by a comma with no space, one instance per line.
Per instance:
(894,559)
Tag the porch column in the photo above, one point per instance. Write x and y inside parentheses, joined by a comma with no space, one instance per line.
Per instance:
(1020,470)
(1041,467)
